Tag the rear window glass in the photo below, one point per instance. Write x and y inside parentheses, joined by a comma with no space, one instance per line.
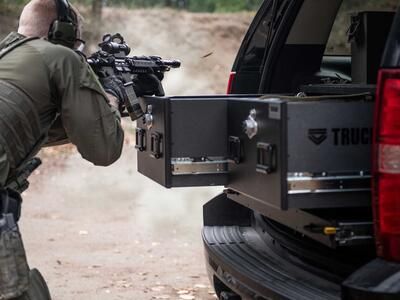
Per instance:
(338,41)
(255,52)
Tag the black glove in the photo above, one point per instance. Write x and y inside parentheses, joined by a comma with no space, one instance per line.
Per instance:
(148,85)
(114,86)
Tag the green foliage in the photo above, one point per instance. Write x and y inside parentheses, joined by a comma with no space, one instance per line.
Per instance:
(205,5)
(11,6)
(192,5)
(237,5)
(11,2)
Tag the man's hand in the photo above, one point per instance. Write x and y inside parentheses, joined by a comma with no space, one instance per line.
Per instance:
(114,102)
(148,85)
(143,85)
(114,87)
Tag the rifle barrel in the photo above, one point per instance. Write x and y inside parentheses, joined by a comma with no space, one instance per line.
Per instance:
(175,64)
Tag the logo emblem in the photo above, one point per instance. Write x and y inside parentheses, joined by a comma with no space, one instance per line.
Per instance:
(318,136)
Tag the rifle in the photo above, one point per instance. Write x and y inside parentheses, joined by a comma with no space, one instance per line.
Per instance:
(112,59)
(20,182)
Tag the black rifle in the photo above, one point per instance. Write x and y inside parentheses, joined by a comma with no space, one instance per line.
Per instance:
(20,182)
(112,59)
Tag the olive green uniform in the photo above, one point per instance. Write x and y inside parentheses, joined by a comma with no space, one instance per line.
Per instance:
(49,95)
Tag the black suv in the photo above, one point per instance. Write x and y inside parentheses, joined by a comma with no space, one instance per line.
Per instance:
(307,145)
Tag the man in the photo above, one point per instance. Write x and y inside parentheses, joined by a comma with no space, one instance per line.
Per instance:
(48,95)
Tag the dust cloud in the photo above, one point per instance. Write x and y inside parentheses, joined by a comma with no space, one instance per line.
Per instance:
(187,37)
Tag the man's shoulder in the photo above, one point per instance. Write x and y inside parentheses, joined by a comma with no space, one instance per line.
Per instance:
(40,45)
(53,52)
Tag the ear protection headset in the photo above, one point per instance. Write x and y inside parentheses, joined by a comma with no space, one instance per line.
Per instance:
(64,29)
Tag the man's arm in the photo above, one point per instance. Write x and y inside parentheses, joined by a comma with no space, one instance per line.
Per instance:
(57,135)
(90,121)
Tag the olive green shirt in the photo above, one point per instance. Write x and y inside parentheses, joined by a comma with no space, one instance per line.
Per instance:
(71,104)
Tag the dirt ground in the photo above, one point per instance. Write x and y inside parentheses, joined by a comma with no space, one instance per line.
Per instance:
(110,233)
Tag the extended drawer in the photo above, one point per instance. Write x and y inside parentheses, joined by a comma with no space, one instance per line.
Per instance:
(284,152)
(182,141)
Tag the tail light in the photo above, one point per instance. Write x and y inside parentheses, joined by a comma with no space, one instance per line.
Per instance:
(230,82)
(386,165)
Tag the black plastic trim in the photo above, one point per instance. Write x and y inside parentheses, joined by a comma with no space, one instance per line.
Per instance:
(332,264)
(377,280)
(391,55)
(277,44)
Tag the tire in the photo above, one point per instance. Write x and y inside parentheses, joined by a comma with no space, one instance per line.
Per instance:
(38,289)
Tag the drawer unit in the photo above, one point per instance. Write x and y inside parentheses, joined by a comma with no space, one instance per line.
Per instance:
(284,152)
(302,154)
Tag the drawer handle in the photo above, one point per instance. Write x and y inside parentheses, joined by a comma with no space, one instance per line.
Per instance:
(266,158)
(140,139)
(156,145)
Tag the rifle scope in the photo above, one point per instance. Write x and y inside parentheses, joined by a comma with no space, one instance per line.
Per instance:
(115,48)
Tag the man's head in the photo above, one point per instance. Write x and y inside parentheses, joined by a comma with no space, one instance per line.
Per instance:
(39,17)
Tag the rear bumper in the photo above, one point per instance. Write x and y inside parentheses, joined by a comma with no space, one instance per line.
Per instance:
(246,265)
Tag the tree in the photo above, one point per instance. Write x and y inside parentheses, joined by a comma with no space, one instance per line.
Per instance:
(93,33)
(97,8)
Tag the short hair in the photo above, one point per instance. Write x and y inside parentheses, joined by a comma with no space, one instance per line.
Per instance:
(38,15)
